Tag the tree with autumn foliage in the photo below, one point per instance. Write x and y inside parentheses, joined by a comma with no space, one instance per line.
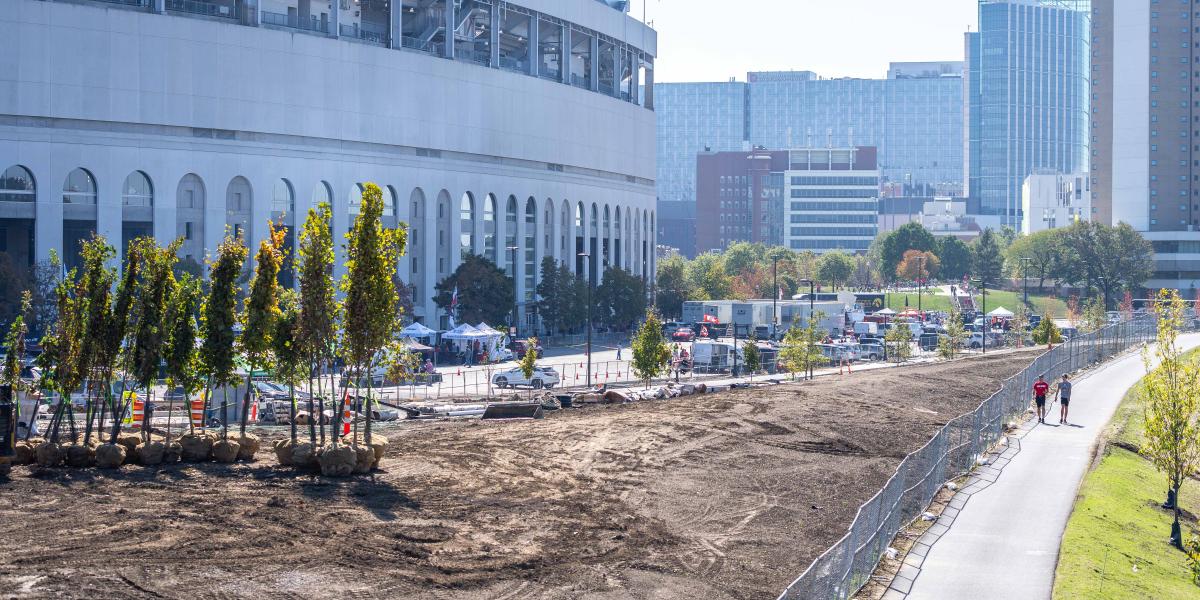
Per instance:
(918,265)
(370,303)
(218,320)
(318,305)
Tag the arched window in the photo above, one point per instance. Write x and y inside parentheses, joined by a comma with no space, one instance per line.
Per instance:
(283,199)
(530,249)
(322,192)
(389,202)
(354,198)
(137,190)
(17,185)
(510,233)
(489,228)
(466,216)
(79,188)
(189,216)
(238,200)
(548,229)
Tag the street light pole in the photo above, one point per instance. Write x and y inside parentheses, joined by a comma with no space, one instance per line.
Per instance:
(920,278)
(1025,260)
(812,294)
(587,270)
(513,250)
(774,296)
(983,286)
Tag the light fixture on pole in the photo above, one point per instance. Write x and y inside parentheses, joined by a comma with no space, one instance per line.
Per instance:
(812,296)
(587,270)
(1025,260)
(513,332)
(983,286)
(774,295)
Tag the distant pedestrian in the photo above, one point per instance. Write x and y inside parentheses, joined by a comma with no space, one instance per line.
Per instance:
(1064,397)
(618,352)
(1040,387)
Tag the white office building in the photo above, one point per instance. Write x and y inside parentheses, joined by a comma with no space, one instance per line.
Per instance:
(488,124)
(832,197)
(1050,200)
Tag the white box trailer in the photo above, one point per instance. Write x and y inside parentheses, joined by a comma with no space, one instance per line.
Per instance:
(795,314)
(694,311)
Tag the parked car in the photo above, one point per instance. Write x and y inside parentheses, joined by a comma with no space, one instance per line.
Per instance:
(836,353)
(519,348)
(684,334)
(670,327)
(543,377)
(870,341)
(871,352)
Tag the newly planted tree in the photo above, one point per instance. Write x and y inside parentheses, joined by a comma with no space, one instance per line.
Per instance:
(14,340)
(529,361)
(150,331)
(651,355)
(95,295)
(218,320)
(290,363)
(262,310)
(116,330)
(899,342)
(370,306)
(752,356)
(61,349)
(956,335)
(1046,332)
(318,305)
(182,357)
(1170,396)
(801,351)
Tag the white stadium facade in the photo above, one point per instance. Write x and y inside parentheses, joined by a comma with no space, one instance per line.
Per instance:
(488,124)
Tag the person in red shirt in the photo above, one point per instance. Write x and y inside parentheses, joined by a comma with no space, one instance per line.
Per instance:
(1040,388)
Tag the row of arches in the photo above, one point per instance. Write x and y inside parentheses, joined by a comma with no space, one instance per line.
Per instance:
(515,232)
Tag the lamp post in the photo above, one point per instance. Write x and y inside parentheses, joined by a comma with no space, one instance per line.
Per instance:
(774,295)
(513,251)
(587,270)
(812,295)
(1025,260)
(983,286)
(1103,291)
(920,280)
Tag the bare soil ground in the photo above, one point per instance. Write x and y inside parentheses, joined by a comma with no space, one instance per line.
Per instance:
(726,495)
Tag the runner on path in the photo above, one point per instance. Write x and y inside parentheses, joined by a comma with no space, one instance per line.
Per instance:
(1040,387)
(1064,396)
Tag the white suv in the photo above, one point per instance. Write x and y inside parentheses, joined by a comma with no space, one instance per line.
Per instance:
(543,377)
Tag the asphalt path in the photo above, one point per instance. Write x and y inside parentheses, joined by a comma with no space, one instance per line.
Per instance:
(1004,542)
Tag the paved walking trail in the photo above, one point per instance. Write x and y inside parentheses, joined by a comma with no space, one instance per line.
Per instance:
(1004,542)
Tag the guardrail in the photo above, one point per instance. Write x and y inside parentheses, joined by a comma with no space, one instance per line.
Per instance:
(200,7)
(843,569)
(294,22)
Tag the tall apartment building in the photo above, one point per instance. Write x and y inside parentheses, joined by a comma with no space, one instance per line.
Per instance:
(1027,86)
(832,199)
(1147,124)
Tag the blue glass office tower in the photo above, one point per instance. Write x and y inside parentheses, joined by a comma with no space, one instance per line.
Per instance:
(693,117)
(1027,97)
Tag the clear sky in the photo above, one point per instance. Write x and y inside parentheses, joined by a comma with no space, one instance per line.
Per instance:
(713,40)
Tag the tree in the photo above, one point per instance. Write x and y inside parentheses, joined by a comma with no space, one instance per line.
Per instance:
(43,304)
(1046,332)
(117,328)
(1073,311)
(549,302)
(218,320)
(899,342)
(1170,396)
(261,311)
(892,246)
(707,279)
(620,299)
(918,265)
(986,261)
(1094,316)
(529,360)
(834,267)
(1042,248)
(370,304)
(95,294)
(290,359)
(956,335)
(181,355)
(14,359)
(1111,258)
(753,358)
(1015,335)
(955,256)
(741,256)
(651,355)
(672,287)
(14,281)
(61,350)
(1127,306)
(150,330)
(318,305)
(800,349)
(485,293)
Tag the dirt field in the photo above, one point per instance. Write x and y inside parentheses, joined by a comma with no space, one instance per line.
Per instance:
(719,496)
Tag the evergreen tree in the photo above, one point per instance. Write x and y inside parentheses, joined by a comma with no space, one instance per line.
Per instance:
(219,318)
(651,355)
(485,292)
(986,260)
(370,303)
(1046,332)
(955,256)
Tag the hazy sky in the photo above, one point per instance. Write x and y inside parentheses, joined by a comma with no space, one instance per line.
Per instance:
(713,40)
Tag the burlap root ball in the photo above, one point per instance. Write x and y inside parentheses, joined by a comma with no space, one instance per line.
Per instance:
(379,444)
(151,454)
(172,453)
(226,451)
(248,446)
(110,456)
(364,457)
(196,447)
(25,451)
(304,456)
(48,455)
(5,465)
(80,456)
(130,441)
(337,460)
(283,452)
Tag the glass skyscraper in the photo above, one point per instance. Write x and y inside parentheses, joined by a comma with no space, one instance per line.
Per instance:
(1027,96)
(692,117)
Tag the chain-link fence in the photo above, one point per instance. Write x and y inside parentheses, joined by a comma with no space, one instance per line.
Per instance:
(847,566)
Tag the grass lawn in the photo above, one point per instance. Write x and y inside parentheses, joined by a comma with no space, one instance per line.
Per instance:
(1115,545)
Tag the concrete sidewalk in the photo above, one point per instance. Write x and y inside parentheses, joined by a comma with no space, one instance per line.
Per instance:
(1004,541)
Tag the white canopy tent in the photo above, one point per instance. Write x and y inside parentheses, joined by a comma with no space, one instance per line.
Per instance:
(464,332)
(1002,313)
(417,330)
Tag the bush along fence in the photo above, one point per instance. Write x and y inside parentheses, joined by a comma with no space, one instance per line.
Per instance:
(847,566)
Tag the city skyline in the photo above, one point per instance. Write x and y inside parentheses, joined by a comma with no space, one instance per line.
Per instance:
(687,32)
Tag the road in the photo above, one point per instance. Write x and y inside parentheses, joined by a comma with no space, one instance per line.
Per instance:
(1004,543)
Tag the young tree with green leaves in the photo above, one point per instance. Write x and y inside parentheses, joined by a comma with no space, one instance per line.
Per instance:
(291,365)
(370,303)
(219,319)
(651,354)
(1046,332)
(181,355)
(529,361)
(899,342)
(95,294)
(261,311)
(752,357)
(1015,335)
(1170,396)
(61,350)
(952,342)
(1094,315)
(116,330)
(318,305)
(834,267)
(14,340)
(150,331)
(801,350)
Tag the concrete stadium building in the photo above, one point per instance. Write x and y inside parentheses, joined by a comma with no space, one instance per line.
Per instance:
(489,125)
